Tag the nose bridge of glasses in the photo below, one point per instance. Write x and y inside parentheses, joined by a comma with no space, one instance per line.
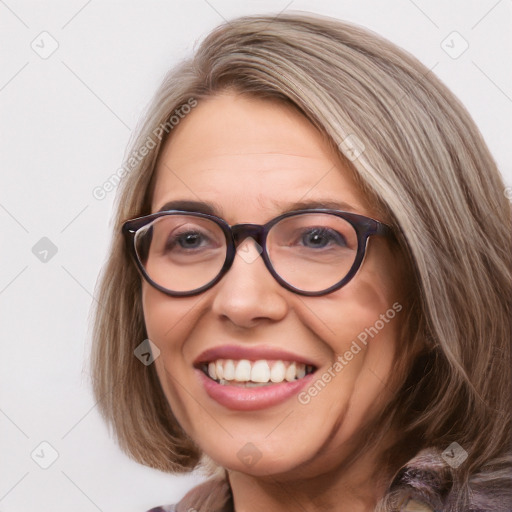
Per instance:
(241,232)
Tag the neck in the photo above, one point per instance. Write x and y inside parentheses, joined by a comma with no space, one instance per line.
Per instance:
(356,487)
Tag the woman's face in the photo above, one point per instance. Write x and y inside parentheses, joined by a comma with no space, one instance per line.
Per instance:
(252,160)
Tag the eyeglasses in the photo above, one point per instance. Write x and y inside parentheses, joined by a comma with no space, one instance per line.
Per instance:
(310,252)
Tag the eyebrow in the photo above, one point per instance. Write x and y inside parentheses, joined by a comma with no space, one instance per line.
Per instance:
(326,204)
(192,206)
(213,209)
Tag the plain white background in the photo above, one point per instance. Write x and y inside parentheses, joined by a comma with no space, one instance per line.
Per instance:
(65,122)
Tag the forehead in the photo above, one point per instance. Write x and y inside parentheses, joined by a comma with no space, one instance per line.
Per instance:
(250,155)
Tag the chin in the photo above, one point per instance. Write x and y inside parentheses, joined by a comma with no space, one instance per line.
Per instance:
(259,456)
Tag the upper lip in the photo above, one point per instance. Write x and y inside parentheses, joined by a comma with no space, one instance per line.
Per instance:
(251,353)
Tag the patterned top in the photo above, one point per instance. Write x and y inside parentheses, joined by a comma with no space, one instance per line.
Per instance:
(411,506)
(425,484)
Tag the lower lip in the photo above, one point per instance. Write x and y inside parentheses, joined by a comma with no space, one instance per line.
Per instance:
(252,399)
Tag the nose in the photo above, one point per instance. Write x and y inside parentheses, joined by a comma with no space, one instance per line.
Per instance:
(248,294)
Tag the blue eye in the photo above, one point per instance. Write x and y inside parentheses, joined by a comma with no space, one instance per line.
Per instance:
(188,240)
(318,238)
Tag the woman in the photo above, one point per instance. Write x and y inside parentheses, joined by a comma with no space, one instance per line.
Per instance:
(309,288)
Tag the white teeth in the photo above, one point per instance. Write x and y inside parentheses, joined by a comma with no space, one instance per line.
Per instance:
(243,371)
(229,370)
(254,373)
(277,372)
(260,372)
(211,370)
(219,369)
(291,372)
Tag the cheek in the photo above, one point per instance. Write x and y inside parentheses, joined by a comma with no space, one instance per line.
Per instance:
(364,310)
(168,320)
(373,300)
(168,323)
(374,315)
(360,325)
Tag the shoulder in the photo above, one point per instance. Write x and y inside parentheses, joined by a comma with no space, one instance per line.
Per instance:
(428,478)
(491,488)
(424,484)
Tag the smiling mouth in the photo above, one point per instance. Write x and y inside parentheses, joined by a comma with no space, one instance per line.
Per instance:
(245,373)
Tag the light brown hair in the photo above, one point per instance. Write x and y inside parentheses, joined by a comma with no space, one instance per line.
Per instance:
(424,164)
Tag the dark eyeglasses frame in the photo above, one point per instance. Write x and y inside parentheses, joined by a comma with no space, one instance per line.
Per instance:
(364,227)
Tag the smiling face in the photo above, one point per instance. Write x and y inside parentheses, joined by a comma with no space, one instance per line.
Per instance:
(327,358)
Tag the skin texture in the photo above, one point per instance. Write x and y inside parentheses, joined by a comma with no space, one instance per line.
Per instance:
(253,158)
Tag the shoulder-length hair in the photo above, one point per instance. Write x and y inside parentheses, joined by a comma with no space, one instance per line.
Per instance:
(418,155)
